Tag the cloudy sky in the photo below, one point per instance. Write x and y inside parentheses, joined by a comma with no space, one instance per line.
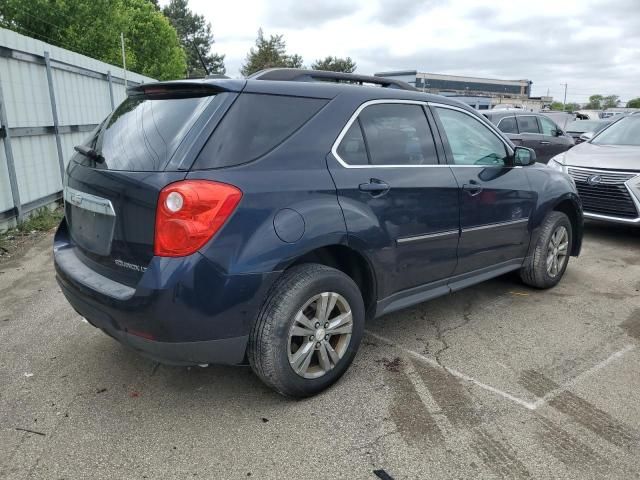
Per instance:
(593,45)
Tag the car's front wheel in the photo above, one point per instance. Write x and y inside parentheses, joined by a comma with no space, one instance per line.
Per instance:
(550,254)
(308,331)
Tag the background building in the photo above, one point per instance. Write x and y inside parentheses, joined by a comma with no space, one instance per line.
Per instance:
(480,93)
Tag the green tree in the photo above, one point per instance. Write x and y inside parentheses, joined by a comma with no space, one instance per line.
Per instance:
(93,27)
(595,102)
(569,107)
(269,53)
(335,64)
(611,101)
(635,103)
(196,38)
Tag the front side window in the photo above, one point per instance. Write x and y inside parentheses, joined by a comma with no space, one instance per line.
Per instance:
(398,134)
(508,125)
(528,124)
(471,142)
(548,127)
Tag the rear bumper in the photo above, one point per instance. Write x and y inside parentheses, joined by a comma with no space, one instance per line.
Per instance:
(229,351)
(183,311)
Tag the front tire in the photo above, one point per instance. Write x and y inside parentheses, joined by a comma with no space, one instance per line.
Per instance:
(545,267)
(308,331)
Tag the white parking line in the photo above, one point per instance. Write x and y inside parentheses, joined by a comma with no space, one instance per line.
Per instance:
(523,403)
(586,373)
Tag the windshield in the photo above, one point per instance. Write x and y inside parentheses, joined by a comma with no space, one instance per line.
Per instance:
(624,132)
(583,126)
(143,133)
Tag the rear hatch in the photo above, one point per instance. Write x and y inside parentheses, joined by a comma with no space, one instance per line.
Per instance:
(114,180)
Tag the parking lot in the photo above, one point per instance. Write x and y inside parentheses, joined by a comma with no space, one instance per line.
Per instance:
(496,381)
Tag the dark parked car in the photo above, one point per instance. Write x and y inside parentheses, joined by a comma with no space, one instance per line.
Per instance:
(533,130)
(579,127)
(606,170)
(263,220)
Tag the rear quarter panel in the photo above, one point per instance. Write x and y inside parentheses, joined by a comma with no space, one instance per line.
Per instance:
(293,176)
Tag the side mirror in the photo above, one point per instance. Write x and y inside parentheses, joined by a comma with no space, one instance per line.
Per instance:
(558,133)
(524,156)
(586,136)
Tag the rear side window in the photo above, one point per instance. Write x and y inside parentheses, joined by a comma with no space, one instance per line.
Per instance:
(254,125)
(143,133)
(352,148)
(508,125)
(398,134)
(528,124)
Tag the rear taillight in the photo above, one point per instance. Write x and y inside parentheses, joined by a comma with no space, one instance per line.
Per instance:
(189,213)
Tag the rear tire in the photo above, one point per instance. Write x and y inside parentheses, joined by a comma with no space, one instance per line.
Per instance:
(308,331)
(550,254)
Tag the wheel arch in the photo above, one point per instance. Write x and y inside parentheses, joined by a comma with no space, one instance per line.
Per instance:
(349,261)
(572,209)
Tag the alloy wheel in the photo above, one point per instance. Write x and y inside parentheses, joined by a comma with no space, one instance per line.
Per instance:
(320,335)
(557,251)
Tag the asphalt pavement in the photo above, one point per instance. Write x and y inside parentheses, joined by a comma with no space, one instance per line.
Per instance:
(496,381)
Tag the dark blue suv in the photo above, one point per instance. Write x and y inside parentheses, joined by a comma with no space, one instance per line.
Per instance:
(264,220)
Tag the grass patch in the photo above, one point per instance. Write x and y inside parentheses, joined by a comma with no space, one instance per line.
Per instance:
(41,221)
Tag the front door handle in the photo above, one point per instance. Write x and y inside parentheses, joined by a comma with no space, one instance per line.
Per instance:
(472,189)
(545,143)
(375,187)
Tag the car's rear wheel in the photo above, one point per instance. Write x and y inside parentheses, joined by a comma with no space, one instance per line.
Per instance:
(545,267)
(308,331)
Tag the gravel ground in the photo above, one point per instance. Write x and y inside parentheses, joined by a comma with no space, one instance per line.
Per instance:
(535,384)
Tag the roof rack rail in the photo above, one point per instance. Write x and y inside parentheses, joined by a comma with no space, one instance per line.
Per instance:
(302,75)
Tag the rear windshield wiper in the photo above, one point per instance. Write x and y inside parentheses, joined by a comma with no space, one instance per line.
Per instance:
(89,153)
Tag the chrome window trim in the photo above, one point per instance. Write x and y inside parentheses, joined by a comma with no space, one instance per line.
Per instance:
(496,225)
(343,132)
(427,236)
(89,202)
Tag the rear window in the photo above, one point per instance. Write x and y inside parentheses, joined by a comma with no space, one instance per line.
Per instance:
(143,133)
(254,125)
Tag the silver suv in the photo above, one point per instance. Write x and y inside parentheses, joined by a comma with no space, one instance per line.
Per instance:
(606,170)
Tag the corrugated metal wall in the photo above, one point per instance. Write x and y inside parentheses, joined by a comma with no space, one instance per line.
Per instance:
(82,92)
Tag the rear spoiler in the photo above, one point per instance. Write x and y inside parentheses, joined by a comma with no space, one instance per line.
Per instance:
(186,88)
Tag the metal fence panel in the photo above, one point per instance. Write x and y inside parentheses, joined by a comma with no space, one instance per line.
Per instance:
(85,91)
(6,201)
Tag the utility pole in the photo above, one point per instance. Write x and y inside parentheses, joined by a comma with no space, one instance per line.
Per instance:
(124,59)
(564,102)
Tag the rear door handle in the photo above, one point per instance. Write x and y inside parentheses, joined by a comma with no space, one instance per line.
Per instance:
(375,187)
(545,143)
(472,189)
